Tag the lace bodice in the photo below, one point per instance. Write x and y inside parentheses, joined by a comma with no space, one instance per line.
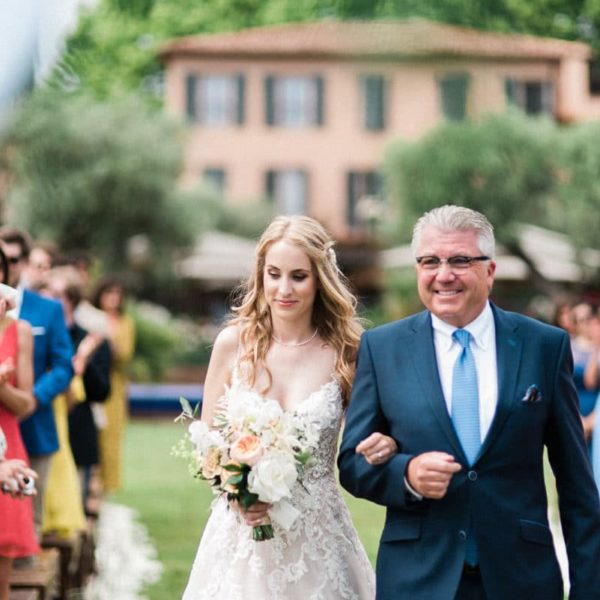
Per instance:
(318,558)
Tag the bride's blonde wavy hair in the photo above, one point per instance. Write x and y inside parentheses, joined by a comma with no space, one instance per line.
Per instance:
(334,310)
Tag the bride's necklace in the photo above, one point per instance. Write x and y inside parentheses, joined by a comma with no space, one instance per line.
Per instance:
(296,344)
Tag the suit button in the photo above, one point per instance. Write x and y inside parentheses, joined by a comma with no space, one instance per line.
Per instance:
(472,475)
(462,535)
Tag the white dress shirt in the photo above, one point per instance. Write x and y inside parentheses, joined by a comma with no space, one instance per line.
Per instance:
(483,346)
(16,311)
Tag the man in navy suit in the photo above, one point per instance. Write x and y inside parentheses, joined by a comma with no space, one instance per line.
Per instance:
(52,354)
(471,412)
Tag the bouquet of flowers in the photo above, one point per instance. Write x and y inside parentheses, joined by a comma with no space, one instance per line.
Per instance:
(254,451)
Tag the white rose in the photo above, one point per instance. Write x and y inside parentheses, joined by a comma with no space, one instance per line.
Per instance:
(273,477)
(270,415)
(205,438)
(243,407)
(198,431)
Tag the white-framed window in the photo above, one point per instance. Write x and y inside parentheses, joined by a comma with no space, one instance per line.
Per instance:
(288,189)
(364,193)
(532,97)
(294,100)
(215,99)
(454,90)
(216,178)
(373,92)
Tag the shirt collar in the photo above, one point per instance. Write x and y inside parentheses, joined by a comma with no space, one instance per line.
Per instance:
(480,329)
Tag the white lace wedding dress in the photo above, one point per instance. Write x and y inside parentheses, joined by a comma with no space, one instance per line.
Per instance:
(319,558)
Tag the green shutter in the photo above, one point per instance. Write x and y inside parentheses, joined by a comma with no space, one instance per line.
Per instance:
(190,97)
(454,96)
(374,101)
(351,198)
(241,85)
(270,185)
(270,100)
(510,90)
(320,87)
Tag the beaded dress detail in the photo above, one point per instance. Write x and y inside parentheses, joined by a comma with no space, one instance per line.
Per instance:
(319,558)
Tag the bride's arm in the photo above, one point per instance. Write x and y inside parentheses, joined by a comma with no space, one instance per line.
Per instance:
(219,370)
(377,448)
(218,375)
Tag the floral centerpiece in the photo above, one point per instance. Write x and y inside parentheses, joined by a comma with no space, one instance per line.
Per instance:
(254,451)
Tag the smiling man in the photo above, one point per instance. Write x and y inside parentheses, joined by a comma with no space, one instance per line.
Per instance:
(472,395)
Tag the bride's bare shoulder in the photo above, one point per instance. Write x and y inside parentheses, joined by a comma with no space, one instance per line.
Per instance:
(227,341)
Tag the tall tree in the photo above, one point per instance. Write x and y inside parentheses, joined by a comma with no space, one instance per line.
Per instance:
(114,47)
(505,167)
(94,175)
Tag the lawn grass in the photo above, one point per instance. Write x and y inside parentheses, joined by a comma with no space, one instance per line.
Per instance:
(174,507)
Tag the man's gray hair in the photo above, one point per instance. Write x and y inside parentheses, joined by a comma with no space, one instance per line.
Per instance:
(457,218)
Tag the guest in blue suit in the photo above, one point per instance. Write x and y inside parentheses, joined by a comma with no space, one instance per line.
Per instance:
(52,350)
(472,395)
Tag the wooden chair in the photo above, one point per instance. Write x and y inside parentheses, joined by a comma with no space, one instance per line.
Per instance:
(42,577)
(24,594)
(69,549)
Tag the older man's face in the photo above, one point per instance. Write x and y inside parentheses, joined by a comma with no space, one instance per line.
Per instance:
(456,297)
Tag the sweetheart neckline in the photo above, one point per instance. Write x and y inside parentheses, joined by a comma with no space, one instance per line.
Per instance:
(332,381)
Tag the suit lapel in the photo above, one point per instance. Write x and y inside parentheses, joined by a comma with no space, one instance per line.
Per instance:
(509,346)
(425,364)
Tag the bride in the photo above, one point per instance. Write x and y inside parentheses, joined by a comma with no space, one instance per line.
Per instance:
(293,337)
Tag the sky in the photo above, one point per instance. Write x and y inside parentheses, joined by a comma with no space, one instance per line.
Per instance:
(32,34)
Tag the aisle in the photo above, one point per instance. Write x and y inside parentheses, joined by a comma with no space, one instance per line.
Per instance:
(126,558)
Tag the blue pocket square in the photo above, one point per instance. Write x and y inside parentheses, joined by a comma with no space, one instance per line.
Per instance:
(532,394)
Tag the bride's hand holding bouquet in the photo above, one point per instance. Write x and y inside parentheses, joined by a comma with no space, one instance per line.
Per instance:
(254,453)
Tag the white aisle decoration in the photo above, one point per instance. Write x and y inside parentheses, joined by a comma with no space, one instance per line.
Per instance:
(126,559)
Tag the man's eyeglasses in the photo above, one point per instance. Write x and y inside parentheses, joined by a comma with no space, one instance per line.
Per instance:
(457,264)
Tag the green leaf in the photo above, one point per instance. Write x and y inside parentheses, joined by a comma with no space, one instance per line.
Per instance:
(247,499)
(186,407)
(234,479)
(233,468)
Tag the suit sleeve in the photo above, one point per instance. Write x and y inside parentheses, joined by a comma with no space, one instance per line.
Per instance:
(382,484)
(577,492)
(59,370)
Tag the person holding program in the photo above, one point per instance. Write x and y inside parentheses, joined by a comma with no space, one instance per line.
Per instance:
(293,337)
(473,395)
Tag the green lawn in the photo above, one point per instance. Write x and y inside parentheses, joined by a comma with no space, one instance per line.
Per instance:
(174,507)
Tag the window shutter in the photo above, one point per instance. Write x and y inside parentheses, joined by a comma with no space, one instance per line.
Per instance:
(320,89)
(510,91)
(374,101)
(190,97)
(548,98)
(270,185)
(270,100)
(454,96)
(241,89)
(351,198)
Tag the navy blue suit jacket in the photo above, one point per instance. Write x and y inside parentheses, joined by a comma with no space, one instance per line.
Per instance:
(501,498)
(52,354)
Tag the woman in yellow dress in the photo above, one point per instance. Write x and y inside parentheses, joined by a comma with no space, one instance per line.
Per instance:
(63,512)
(109,297)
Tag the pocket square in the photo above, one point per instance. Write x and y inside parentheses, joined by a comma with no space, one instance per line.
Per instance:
(532,394)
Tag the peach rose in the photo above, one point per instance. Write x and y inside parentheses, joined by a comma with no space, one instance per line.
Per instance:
(247,450)
(211,466)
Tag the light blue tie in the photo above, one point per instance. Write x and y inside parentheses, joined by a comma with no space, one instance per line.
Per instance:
(465,397)
(465,412)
